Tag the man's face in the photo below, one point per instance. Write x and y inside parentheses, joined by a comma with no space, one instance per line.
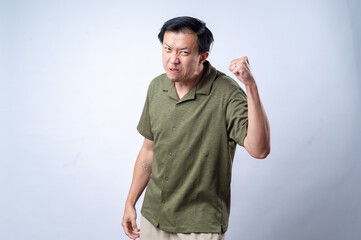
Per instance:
(181,59)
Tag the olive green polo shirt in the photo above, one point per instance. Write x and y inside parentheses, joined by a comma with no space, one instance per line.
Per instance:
(195,140)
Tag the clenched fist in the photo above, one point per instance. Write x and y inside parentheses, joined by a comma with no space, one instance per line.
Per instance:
(241,68)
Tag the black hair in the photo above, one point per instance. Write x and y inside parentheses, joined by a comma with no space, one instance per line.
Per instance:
(178,24)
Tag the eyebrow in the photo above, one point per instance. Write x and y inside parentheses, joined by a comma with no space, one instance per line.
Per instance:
(185,48)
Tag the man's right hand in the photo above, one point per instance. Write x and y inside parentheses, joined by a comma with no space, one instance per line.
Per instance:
(129,222)
(141,175)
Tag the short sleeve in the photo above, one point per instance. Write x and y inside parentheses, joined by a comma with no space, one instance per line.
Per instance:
(144,125)
(237,116)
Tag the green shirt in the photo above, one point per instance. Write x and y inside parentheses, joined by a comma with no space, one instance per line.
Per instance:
(195,140)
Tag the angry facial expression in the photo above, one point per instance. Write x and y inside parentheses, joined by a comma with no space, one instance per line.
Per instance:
(182,61)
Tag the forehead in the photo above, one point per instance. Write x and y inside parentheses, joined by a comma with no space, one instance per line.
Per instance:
(181,39)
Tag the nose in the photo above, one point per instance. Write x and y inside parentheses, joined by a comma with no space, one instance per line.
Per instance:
(175,58)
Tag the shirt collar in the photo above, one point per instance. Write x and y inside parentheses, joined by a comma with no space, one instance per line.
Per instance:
(205,84)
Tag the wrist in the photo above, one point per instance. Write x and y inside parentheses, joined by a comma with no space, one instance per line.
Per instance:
(251,87)
(130,203)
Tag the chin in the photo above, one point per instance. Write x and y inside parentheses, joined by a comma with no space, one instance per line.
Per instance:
(174,79)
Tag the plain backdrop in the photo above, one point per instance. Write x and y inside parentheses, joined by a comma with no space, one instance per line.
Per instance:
(73,80)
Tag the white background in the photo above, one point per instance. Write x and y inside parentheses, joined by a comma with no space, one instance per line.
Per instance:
(73,80)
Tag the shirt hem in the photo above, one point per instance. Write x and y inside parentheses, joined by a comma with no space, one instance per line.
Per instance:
(185,229)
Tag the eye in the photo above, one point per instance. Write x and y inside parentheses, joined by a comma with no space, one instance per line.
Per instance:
(184,52)
(167,49)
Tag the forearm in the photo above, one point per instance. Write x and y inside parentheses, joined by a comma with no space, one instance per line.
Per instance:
(141,174)
(257,141)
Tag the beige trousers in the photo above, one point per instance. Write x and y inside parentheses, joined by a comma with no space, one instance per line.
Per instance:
(149,232)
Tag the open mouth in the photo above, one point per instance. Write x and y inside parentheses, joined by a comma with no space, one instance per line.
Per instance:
(174,69)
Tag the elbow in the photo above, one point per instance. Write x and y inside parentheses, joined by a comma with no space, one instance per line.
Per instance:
(262,154)
(258,149)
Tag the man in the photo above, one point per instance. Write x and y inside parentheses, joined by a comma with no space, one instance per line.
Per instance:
(193,118)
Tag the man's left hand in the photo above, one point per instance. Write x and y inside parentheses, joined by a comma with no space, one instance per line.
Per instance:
(241,68)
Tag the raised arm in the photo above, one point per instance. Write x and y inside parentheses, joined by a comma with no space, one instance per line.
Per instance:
(141,174)
(257,141)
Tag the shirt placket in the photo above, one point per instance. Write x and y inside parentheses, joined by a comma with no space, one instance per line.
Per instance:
(170,157)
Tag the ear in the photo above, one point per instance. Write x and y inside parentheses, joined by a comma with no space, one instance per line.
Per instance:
(203,57)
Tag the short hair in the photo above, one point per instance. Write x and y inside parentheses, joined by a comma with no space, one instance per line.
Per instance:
(178,24)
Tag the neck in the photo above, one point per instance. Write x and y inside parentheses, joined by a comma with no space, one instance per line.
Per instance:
(185,86)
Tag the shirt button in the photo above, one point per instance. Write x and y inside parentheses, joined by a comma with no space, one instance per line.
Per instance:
(170,154)
(166,178)
(163,201)
(174,128)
